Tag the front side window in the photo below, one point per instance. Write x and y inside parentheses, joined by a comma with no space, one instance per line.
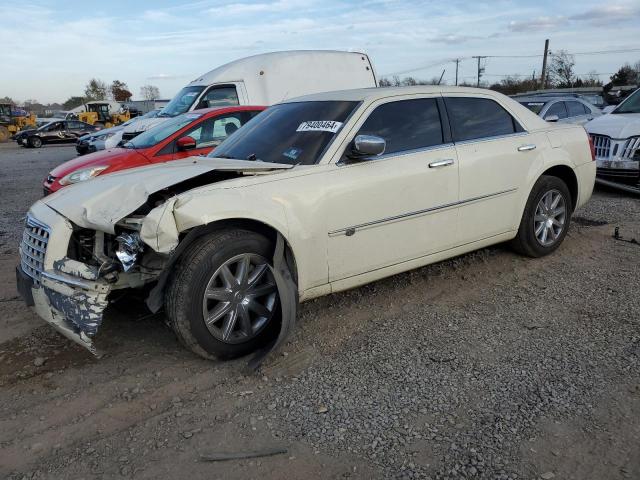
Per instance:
(406,124)
(475,118)
(558,109)
(293,133)
(182,102)
(575,109)
(219,97)
(156,134)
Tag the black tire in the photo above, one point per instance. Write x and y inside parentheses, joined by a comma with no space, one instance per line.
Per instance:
(34,142)
(186,287)
(526,241)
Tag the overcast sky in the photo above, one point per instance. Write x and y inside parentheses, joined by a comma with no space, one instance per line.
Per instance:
(51,49)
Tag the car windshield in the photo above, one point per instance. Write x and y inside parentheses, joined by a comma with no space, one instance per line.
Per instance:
(158,133)
(293,133)
(181,102)
(535,107)
(630,105)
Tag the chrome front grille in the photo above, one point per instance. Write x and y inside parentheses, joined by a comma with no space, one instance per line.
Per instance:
(602,145)
(34,248)
(629,149)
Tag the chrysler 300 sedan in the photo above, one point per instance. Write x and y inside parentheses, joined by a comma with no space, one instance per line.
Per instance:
(315,195)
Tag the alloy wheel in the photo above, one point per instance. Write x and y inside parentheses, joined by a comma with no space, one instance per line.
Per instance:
(240,298)
(550,217)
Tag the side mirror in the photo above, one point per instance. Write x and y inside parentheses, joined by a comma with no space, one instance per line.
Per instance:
(552,118)
(367,146)
(186,143)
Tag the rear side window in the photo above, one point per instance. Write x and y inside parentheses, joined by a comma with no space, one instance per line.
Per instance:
(406,124)
(219,97)
(474,118)
(576,108)
(558,109)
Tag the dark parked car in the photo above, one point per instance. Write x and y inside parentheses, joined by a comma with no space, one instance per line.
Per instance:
(63,131)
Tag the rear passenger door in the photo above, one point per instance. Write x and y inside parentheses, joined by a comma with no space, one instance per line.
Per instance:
(495,156)
(398,206)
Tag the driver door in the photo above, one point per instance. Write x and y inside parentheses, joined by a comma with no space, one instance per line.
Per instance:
(401,205)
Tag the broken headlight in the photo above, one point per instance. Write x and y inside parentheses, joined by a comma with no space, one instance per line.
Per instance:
(129,247)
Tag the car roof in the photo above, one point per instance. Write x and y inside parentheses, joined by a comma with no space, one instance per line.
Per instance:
(374,93)
(227,109)
(543,99)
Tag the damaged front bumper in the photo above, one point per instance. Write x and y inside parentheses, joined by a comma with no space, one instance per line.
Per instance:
(71,305)
(65,293)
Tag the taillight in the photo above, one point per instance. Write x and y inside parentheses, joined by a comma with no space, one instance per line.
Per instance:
(592,147)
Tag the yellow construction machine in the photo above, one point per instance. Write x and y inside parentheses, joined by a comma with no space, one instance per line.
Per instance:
(98,113)
(11,123)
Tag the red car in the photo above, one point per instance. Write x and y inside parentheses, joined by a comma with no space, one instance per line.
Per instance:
(193,133)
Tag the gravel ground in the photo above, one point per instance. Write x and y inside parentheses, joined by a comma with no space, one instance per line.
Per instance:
(489,365)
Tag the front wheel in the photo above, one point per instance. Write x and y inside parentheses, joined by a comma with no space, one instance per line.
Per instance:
(222,300)
(34,142)
(546,218)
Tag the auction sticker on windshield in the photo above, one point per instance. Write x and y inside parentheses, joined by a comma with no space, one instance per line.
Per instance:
(319,126)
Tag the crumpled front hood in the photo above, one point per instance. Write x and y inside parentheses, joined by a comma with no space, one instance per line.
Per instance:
(100,203)
(616,125)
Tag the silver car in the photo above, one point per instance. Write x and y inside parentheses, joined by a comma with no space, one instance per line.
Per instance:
(561,109)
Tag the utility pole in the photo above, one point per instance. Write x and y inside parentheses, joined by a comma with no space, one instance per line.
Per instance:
(457,63)
(480,69)
(440,81)
(543,78)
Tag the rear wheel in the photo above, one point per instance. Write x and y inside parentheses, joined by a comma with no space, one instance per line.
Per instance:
(222,300)
(4,134)
(34,142)
(546,218)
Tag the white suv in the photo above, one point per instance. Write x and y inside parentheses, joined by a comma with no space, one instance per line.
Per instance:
(616,138)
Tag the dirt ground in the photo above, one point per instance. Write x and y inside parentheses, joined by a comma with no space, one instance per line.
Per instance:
(489,365)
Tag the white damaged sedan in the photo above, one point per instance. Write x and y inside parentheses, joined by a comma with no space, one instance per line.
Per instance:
(315,195)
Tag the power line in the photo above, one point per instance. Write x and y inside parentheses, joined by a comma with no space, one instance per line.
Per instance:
(441,63)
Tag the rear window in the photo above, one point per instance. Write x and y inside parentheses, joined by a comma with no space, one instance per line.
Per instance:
(475,118)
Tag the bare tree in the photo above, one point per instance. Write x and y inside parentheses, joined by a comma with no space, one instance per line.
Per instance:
(96,90)
(149,92)
(561,72)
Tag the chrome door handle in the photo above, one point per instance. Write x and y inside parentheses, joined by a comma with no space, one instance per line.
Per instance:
(526,148)
(441,163)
